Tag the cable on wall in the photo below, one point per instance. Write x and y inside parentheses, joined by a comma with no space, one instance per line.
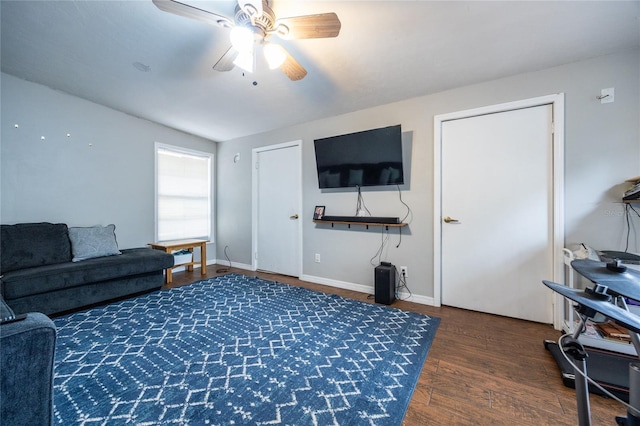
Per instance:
(628,208)
(402,283)
(406,205)
(222,270)
(385,239)
(360,206)
(409,212)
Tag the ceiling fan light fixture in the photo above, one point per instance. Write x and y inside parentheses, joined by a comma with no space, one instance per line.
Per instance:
(245,60)
(274,54)
(242,39)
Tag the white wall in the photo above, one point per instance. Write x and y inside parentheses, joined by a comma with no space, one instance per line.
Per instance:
(103,173)
(602,149)
(65,180)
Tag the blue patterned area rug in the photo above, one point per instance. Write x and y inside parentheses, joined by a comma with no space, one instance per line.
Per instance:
(235,350)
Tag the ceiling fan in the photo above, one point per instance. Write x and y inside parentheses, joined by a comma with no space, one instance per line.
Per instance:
(253,24)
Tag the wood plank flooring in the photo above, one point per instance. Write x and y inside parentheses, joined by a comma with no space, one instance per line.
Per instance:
(481,369)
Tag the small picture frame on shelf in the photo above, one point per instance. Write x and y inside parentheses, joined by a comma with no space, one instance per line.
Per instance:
(318,212)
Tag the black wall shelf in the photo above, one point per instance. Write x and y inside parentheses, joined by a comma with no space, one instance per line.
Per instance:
(367,224)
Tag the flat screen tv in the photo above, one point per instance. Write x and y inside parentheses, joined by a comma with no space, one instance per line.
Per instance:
(367,158)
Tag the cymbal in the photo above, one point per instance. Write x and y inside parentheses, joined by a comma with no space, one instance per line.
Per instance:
(626,284)
(620,316)
(622,255)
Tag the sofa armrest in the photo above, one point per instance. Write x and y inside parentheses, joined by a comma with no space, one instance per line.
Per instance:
(1,289)
(27,350)
(6,313)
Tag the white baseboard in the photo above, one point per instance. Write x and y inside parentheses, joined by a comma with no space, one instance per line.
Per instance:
(339,284)
(423,300)
(225,262)
(209,262)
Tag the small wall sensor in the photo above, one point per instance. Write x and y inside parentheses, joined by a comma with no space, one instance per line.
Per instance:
(236,158)
(607,96)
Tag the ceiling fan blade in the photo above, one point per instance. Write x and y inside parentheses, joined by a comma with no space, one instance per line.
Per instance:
(225,63)
(292,68)
(309,26)
(188,11)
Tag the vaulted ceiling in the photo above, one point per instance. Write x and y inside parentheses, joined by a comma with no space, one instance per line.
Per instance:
(133,57)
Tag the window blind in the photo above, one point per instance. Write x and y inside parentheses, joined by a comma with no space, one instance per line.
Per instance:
(183,194)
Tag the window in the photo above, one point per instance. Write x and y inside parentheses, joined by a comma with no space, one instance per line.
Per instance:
(183,193)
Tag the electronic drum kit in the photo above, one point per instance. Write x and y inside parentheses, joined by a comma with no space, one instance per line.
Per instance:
(612,282)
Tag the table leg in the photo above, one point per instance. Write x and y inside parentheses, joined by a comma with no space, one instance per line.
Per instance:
(169,271)
(203,258)
(190,266)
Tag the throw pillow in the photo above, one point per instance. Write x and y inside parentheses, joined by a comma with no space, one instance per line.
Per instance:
(93,241)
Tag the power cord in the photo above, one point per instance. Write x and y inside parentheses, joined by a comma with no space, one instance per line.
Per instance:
(385,239)
(223,270)
(409,212)
(360,206)
(627,209)
(402,283)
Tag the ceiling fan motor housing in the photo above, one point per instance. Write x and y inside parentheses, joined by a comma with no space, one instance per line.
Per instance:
(262,24)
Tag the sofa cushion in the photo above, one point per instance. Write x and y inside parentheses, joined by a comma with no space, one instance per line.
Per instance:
(27,245)
(93,241)
(27,282)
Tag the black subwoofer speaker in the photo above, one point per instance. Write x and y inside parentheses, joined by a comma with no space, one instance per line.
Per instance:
(385,284)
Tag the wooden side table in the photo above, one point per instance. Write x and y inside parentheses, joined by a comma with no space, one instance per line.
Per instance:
(171,246)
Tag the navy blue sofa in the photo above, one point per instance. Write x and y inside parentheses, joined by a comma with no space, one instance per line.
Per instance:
(38,274)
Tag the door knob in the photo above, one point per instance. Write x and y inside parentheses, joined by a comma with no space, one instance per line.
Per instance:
(447,219)
(295,216)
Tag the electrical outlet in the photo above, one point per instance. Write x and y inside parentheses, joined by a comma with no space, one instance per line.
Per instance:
(403,272)
(317,257)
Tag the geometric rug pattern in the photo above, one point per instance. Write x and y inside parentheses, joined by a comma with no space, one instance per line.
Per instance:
(236,350)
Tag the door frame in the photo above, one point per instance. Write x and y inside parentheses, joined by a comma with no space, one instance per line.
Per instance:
(254,200)
(557,103)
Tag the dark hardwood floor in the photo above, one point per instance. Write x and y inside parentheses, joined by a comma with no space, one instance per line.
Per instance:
(481,369)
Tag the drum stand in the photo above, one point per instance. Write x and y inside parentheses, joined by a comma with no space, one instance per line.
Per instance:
(571,346)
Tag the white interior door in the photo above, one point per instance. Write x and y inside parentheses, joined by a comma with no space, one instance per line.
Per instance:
(497,187)
(278,186)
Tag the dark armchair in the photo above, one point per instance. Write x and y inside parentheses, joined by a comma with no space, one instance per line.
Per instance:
(27,349)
